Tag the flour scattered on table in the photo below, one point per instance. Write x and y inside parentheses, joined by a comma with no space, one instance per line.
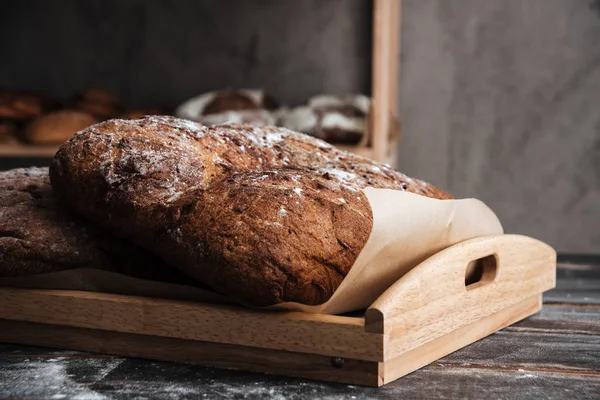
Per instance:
(525,374)
(46,378)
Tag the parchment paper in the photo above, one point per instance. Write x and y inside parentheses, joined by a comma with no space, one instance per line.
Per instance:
(407,229)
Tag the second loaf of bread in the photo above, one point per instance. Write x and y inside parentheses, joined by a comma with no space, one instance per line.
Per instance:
(261,214)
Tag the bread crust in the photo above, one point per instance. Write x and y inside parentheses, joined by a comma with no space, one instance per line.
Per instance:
(209,200)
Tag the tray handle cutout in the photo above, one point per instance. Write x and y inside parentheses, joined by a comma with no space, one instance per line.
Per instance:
(481,272)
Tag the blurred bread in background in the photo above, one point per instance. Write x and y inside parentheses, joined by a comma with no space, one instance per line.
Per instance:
(231,106)
(100,103)
(57,127)
(334,119)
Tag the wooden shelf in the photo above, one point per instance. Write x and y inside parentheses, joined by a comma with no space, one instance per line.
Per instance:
(384,91)
(24,150)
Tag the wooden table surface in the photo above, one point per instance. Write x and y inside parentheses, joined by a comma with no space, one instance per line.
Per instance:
(554,354)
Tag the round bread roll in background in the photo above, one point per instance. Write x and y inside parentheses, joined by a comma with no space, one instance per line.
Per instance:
(342,120)
(231,106)
(19,106)
(57,127)
(100,96)
(8,132)
(100,103)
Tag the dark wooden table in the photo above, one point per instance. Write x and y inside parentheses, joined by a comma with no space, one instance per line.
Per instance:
(552,355)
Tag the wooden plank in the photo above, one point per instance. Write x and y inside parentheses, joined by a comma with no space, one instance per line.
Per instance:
(578,283)
(575,291)
(562,319)
(367,152)
(395,130)
(33,372)
(442,346)
(24,150)
(361,151)
(592,260)
(446,382)
(192,352)
(292,331)
(395,40)
(381,76)
(536,351)
(567,271)
(519,268)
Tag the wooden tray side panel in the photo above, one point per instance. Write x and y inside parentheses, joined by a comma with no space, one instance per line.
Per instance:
(433,300)
(442,346)
(192,352)
(292,331)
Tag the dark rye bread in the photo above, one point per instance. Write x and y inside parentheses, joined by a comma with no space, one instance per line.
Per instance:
(38,236)
(272,236)
(208,200)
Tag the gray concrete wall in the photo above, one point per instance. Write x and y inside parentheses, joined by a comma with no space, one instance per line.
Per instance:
(159,51)
(501,100)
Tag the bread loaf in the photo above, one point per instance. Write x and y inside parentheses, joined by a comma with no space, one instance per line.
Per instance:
(261,214)
(231,106)
(57,126)
(38,235)
(100,103)
(8,132)
(333,119)
(19,106)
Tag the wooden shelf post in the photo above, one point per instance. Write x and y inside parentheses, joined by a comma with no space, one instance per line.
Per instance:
(386,39)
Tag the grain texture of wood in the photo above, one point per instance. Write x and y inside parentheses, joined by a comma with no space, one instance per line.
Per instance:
(436,301)
(382,81)
(562,319)
(577,283)
(396,35)
(292,331)
(361,151)
(577,291)
(433,350)
(192,352)
(535,351)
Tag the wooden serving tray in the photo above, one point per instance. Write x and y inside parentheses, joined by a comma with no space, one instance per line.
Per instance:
(452,299)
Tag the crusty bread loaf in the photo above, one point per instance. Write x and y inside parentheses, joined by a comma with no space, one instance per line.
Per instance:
(37,235)
(263,215)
